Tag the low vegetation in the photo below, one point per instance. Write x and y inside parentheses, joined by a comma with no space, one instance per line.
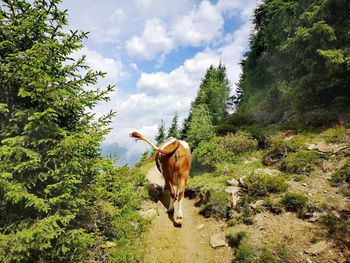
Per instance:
(302,162)
(294,201)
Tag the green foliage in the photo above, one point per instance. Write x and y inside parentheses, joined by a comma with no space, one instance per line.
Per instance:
(294,201)
(342,178)
(245,254)
(59,201)
(200,127)
(235,237)
(264,184)
(338,228)
(160,137)
(239,143)
(273,206)
(297,68)
(216,152)
(336,135)
(301,162)
(214,97)
(210,153)
(174,129)
(216,207)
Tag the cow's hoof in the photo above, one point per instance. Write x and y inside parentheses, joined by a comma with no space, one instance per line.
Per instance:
(179,221)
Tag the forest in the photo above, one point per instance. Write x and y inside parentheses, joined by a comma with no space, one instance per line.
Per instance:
(61,201)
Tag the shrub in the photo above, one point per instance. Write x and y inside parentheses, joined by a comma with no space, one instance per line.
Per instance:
(341,176)
(273,206)
(294,201)
(222,149)
(209,153)
(301,162)
(336,135)
(235,237)
(263,184)
(240,142)
(216,207)
(244,254)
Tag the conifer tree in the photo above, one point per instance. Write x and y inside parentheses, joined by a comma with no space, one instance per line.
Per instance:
(174,130)
(49,140)
(160,138)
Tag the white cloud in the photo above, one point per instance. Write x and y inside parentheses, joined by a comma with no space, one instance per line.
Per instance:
(153,41)
(113,68)
(199,26)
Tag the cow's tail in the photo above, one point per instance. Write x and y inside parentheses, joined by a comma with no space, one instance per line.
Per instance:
(172,147)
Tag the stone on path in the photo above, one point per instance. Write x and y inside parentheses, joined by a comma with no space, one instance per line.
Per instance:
(217,241)
(317,248)
(149,214)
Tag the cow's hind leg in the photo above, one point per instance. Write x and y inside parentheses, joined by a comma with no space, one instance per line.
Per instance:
(172,198)
(181,196)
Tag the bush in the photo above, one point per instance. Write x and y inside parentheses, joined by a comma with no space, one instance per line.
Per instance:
(294,201)
(301,162)
(240,142)
(222,149)
(273,206)
(341,176)
(245,254)
(235,237)
(264,184)
(336,135)
(216,207)
(209,153)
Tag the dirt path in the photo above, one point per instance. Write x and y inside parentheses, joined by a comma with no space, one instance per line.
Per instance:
(188,244)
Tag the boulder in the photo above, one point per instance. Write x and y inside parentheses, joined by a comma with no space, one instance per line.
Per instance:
(257,204)
(317,248)
(232,182)
(217,241)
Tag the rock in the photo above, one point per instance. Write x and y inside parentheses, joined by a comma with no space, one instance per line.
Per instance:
(232,182)
(327,147)
(304,184)
(241,181)
(217,241)
(200,226)
(149,214)
(317,248)
(108,244)
(232,189)
(257,204)
(233,196)
(272,172)
(308,260)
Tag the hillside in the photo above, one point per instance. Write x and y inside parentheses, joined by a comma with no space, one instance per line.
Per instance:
(287,202)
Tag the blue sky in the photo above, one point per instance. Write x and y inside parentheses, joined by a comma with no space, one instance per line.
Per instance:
(156,53)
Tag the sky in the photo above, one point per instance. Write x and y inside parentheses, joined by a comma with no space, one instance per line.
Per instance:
(156,52)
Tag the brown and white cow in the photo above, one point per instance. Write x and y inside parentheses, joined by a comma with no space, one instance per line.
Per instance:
(173,159)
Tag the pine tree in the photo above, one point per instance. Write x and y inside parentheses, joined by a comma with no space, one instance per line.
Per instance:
(174,130)
(160,138)
(201,128)
(49,141)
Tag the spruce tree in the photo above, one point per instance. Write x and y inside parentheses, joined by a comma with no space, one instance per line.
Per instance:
(49,139)
(174,130)
(160,138)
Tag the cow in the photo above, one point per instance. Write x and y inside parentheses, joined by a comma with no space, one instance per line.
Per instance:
(173,159)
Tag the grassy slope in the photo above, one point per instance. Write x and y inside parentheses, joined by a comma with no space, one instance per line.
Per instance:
(265,233)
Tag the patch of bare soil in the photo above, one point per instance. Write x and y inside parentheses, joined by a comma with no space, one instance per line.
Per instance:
(190,243)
